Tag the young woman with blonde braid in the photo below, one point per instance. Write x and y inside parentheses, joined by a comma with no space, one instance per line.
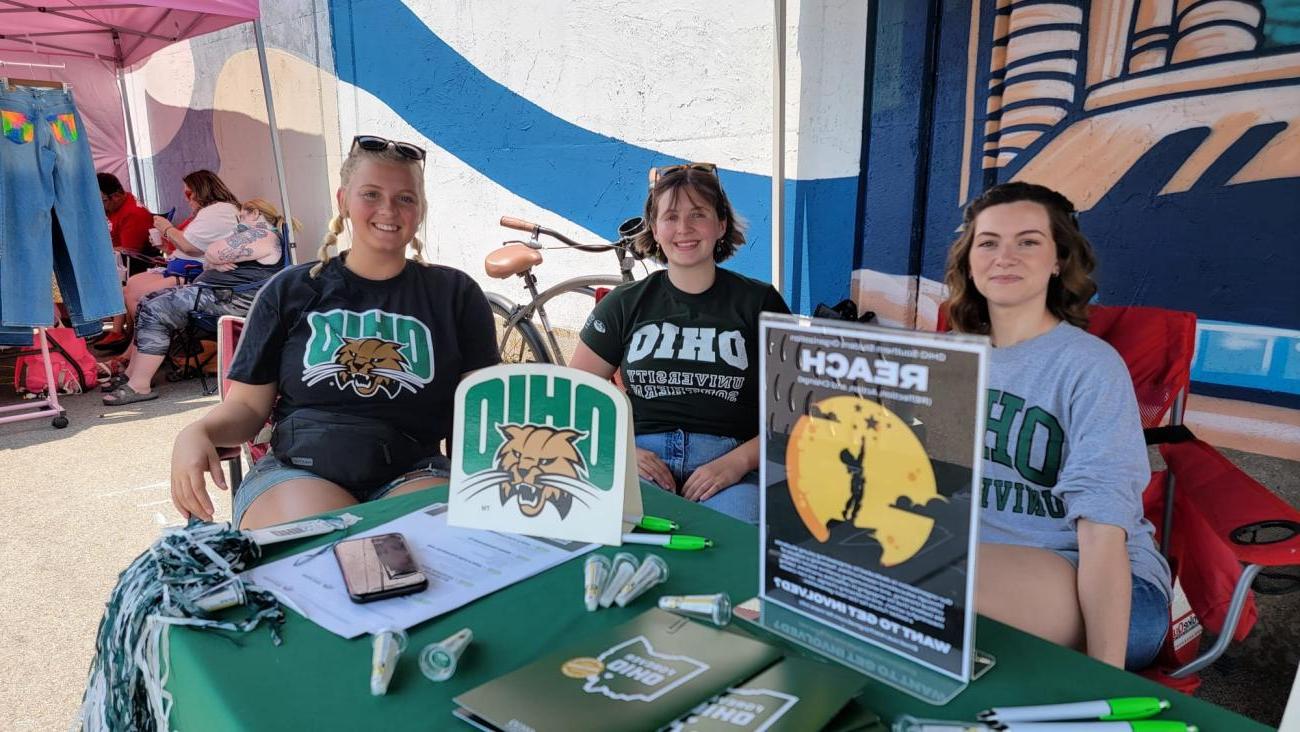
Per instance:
(364,343)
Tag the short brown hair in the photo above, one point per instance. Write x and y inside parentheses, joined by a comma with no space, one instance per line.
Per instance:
(206,189)
(1068,293)
(704,184)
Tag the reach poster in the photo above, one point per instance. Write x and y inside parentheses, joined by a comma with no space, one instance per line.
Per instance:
(871,455)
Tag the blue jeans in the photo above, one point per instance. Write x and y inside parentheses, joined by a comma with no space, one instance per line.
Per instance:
(684,452)
(45,163)
(1148,622)
(269,472)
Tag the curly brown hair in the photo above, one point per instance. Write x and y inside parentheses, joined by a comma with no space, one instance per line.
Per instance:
(705,185)
(1068,293)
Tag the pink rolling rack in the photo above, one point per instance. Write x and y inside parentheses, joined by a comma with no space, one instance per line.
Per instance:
(44,407)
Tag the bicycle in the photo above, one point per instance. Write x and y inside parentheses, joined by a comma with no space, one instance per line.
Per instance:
(518,338)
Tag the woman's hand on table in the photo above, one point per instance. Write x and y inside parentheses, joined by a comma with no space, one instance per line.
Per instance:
(192,456)
(712,477)
(655,470)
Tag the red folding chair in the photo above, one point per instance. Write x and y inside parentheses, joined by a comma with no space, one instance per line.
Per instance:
(229,328)
(1218,527)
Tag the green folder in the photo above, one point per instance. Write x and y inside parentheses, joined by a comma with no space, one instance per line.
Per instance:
(640,675)
(793,695)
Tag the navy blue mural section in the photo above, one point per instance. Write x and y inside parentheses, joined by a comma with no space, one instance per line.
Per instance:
(591,179)
(898,144)
(1179,146)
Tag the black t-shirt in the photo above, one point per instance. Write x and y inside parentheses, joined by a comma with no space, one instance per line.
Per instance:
(390,349)
(689,362)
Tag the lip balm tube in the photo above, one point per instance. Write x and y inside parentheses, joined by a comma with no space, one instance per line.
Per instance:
(715,609)
(386,647)
(438,660)
(625,565)
(653,571)
(595,575)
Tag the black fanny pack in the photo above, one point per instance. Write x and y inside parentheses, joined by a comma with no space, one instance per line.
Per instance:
(357,453)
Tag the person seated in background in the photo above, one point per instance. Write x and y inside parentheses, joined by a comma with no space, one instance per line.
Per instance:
(215,213)
(251,254)
(698,323)
(1083,570)
(368,338)
(128,222)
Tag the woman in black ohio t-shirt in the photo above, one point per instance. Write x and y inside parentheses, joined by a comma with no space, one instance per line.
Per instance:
(369,336)
(686,343)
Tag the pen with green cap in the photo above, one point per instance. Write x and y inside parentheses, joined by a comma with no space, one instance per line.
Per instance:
(684,542)
(1138,725)
(1128,707)
(652,523)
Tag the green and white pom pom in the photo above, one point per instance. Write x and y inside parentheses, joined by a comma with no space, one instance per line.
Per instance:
(185,578)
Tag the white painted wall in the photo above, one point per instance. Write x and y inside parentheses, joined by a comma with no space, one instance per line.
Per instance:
(689,79)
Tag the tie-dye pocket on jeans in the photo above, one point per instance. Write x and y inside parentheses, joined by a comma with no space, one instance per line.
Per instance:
(16,127)
(64,127)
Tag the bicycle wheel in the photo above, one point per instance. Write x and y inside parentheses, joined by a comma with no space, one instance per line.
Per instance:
(563,311)
(522,344)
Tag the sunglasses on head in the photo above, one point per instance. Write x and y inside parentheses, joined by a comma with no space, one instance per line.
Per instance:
(377,144)
(657,173)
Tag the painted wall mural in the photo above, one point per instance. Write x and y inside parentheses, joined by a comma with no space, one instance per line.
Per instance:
(1173,125)
(559,111)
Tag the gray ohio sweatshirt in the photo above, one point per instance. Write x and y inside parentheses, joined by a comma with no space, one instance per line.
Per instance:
(1064,442)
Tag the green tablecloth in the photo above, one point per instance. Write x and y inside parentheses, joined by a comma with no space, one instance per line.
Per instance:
(320,681)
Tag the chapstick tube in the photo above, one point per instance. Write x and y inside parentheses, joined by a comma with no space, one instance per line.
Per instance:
(438,660)
(715,609)
(595,575)
(653,571)
(385,649)
(624,566)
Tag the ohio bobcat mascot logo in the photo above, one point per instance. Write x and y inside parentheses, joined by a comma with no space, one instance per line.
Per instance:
(369,353)
(538,466)
(542,450)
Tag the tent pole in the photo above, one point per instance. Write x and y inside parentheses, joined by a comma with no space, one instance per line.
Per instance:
(137,181)
(778,147)
(276,153)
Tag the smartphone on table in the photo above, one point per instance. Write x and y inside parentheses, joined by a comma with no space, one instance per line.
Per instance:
(376,567)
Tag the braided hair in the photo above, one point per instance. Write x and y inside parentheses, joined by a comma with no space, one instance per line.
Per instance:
(390,156)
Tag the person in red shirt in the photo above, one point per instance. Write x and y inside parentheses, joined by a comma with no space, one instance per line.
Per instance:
(128,222)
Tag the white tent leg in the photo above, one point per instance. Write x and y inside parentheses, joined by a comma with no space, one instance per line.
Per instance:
(276,152)
(778,146)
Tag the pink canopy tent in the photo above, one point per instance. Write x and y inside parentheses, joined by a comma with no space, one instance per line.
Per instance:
(124,33)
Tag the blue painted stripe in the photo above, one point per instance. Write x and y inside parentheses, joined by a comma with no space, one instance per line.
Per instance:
(591,179)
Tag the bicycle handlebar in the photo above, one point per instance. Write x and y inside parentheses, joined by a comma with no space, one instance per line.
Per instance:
(511,222)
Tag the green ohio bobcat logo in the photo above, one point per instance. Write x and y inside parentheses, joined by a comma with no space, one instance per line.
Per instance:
(539,441)
(370,353)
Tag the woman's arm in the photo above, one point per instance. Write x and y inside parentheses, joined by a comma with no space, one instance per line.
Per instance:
(175,236)
(586,359)
(253,243)
(1105,585)
(722,472)
(235,420)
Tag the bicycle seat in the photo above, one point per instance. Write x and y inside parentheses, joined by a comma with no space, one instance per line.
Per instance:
(511,259)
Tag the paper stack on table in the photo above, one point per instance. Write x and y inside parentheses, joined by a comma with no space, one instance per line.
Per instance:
(462,565)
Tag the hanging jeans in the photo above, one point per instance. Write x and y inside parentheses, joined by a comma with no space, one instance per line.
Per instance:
(45,162)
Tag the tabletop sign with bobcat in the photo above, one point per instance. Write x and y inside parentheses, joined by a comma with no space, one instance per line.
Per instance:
(543,450)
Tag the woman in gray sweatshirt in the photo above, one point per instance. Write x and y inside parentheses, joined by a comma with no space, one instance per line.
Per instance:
(1065,552)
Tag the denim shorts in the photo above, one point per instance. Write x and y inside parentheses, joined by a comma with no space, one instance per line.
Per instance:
(683,452)
(269,472)
(1148,623)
